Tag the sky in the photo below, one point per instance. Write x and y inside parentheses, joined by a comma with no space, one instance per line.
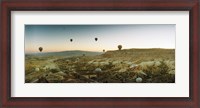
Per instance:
(55,38)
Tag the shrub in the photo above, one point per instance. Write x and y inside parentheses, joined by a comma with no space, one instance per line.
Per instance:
(159,74)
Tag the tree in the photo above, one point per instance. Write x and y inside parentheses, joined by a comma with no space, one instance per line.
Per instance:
(119,47)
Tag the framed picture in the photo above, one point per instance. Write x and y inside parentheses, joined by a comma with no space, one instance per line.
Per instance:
(139,53)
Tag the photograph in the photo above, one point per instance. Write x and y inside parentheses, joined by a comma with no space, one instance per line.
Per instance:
(100,53)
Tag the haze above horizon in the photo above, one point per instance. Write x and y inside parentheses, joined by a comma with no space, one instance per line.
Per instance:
(55,38)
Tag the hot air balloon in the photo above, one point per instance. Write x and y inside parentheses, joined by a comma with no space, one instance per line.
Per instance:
(71,40)
(119,47)
(96,39)
(40,49)
(103,50)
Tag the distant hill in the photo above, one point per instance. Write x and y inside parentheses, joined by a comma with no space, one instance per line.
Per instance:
(66,53)
(141,54)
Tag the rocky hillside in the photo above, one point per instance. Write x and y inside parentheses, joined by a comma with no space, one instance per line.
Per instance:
(141,55)
(120,66)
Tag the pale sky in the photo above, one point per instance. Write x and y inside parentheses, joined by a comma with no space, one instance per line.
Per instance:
(54,38)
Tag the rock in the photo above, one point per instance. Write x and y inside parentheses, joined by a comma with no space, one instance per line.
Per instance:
(54,78)
(34,81)
(61,73)
(128,63)
(138,80)
(104,63)
(37,69)
(95,63)
(157,63)
(122,70)
(67,61)
(142,73)
(146,65)
(45,68)
(90,62)
(133,66)
(98,70)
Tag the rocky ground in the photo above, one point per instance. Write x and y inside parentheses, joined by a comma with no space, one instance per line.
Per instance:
(124,66)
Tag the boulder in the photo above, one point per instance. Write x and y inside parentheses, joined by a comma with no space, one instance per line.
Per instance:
(133,66)
(138,80)
(98,70)
(37,69)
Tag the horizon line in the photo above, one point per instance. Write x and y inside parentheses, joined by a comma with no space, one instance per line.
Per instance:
(94,51)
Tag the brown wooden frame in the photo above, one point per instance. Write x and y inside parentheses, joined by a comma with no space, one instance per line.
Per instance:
(7,6)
